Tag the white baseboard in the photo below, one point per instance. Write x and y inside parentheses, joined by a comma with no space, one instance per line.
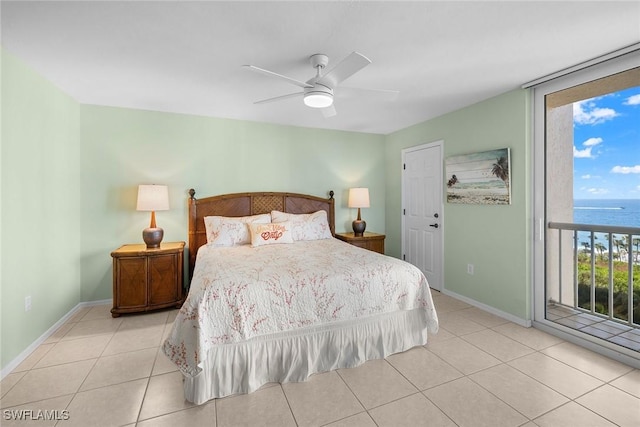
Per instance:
(522,322)
(27,351)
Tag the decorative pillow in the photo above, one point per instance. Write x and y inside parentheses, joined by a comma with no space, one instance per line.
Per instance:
(231,231)
(268,234)
(313,226)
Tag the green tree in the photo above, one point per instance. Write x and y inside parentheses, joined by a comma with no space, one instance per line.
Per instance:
(600,248)
(501,170)
(617,243)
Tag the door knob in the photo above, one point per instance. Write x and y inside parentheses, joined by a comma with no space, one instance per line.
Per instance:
(433,225)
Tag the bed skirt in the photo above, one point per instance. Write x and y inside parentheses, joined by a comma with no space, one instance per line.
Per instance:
(294,356)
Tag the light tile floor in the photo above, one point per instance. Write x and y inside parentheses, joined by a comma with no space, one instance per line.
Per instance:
(479,370)
(609,330)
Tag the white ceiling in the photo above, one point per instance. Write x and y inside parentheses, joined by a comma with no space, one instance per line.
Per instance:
(186,57)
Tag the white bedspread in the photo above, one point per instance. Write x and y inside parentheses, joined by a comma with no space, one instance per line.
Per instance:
(241,293)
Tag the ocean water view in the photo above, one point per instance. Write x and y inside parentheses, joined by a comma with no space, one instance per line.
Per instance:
(620,212)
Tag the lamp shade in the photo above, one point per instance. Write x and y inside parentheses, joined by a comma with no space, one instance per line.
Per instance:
(153,197)
(358,197)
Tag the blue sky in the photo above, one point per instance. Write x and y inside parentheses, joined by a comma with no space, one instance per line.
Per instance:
(606,146)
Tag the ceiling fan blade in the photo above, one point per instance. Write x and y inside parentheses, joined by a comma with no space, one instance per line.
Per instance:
(329,111)
(279,98)
(355,92)
(280,76)
(344,69)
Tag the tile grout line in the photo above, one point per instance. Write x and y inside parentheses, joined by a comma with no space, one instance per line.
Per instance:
(538,381)
(579,369)
(501,362)
(589,409)
(286,398)
(351,390)
(496,396)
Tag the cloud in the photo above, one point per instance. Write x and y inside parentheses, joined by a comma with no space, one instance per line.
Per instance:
(582,154)
(633,100)
(587,113)
(626,169)
(586,153)
(597,191)
(587,176)
(592,142)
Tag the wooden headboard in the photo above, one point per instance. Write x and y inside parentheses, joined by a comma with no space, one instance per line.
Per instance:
(244,204)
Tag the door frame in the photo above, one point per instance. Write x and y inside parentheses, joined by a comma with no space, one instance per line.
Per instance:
(538,149)
(438,143)
(539,196)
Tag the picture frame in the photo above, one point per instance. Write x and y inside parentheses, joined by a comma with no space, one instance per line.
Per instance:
(482,178)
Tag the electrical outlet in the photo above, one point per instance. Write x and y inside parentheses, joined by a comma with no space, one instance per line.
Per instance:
(27,303)
(470,269)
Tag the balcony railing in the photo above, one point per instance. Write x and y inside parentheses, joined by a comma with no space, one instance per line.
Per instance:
(599,279)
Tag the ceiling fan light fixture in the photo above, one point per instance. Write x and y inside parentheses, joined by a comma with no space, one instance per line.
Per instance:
(318,96)
(318,99)
(318,91)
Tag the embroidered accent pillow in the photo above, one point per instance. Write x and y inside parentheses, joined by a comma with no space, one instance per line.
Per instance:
(231,231)
(313,226)
(268,234)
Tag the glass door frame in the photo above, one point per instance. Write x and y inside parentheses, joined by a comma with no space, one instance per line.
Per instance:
(538,157)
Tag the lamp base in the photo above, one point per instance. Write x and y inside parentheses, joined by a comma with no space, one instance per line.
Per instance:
(358,227)
(152,237)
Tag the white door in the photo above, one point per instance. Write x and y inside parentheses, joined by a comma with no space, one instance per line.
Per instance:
(422,225)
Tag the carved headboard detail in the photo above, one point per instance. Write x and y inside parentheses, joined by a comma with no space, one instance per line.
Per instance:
(244,204)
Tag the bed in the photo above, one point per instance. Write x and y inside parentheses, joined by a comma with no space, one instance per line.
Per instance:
(293,302)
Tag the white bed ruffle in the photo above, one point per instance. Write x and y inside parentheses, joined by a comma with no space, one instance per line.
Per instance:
(295,355)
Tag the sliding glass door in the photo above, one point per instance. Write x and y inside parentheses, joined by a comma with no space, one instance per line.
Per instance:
(586,188)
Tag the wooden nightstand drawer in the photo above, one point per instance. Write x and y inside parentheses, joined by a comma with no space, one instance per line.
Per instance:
(130,277)
(147,279)
(371,241)
(163,271)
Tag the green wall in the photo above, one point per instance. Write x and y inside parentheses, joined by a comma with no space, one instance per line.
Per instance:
(122,148)
(496,239)
(70,174)
(40,206)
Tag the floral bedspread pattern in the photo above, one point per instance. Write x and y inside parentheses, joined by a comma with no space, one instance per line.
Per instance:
(239,293)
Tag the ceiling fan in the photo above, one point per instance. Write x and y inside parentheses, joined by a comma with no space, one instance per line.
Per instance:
(318,91)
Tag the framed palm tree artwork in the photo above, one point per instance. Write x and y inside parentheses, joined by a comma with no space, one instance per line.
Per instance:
(479,178)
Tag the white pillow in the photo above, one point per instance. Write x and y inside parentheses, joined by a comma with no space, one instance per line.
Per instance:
(313,226)
(268,234)
(231,231)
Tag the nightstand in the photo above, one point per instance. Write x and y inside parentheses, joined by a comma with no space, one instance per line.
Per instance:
(372,241)
(147,279)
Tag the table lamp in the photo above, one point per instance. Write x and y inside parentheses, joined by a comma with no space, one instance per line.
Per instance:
(153,198)
(358,198)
